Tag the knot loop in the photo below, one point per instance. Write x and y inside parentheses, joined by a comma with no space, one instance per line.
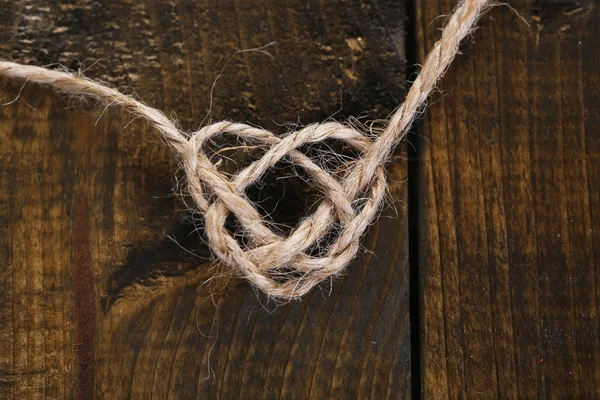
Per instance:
(280,265)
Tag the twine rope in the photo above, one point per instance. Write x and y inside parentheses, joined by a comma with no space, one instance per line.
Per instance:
(282,266)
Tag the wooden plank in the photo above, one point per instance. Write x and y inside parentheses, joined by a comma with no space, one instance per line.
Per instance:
(510,190)
(95,299)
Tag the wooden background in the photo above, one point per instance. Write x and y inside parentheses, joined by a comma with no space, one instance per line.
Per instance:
(477,282)
(509,222)
(96,299)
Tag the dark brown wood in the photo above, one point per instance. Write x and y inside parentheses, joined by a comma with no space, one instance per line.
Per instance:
(95,298)
(510,185)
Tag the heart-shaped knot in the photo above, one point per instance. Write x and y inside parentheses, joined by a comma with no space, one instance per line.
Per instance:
(282,266)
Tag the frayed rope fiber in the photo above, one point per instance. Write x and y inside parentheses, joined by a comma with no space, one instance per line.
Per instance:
(282,267)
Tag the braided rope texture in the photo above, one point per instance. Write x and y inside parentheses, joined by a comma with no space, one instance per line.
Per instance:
(282,267)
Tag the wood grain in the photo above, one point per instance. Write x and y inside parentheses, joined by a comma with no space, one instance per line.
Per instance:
(96,299)
(510,185)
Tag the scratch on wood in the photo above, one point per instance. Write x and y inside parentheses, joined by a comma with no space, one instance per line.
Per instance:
(84,304)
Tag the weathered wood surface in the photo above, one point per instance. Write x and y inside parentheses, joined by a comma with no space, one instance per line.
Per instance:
(510,217)
(95,299)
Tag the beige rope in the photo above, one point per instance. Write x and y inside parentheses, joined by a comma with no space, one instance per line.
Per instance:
(281,266)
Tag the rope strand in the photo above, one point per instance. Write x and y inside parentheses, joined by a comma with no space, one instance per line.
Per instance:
(280,266)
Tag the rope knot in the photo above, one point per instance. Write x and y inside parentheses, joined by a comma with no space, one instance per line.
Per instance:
(283,266)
